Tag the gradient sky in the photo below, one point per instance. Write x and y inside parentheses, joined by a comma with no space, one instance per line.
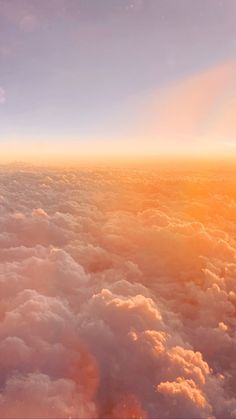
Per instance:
(121,74)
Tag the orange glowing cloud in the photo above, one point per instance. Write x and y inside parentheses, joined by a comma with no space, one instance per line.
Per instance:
(117,292)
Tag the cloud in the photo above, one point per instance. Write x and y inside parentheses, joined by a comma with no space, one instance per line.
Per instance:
(2,95)
(117,296)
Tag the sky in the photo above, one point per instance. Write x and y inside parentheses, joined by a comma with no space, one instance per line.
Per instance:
(117,76)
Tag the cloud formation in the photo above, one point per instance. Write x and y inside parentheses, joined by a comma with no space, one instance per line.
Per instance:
(2,95)
(117,293)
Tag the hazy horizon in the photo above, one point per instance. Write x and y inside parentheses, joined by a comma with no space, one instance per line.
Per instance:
(127,77)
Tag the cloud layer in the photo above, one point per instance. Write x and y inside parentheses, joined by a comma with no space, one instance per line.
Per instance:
(117,293)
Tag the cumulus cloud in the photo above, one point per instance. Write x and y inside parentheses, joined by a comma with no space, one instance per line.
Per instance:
(117,299)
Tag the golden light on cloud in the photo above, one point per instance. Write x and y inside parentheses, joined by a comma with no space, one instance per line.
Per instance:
(117,209)
(117,291)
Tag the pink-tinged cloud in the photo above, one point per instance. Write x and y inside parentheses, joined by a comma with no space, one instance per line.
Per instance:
(196,110)
(28,23)
(2,95)
(117,293)
(21,14)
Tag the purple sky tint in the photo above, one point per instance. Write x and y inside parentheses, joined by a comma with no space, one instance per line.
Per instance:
(74,68)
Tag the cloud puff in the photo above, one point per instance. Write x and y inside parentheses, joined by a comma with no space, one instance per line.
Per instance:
(117,297)
(2,95)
